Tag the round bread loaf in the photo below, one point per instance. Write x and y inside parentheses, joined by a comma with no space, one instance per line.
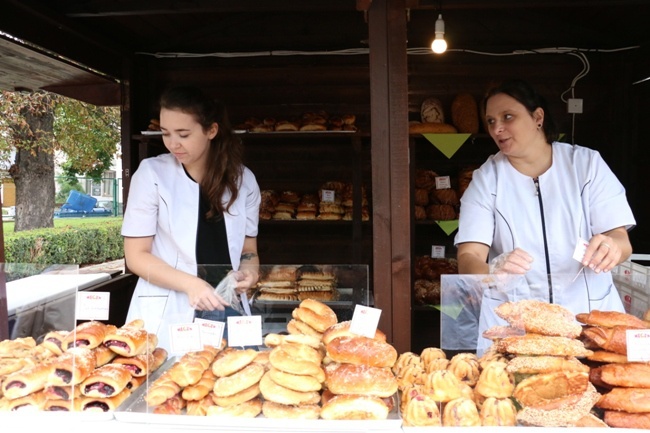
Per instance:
(357,407)
(360,379)
(342,329)
(299,327)
(240,397)
(464,113)
(361,350)
(297,382)
(296,359)
(431,128)
(431,111)
(247,409)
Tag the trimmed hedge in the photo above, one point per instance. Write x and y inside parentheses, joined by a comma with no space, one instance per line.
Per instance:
(68,245)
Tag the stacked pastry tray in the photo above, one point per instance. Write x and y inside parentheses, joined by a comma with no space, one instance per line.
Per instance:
(135,410)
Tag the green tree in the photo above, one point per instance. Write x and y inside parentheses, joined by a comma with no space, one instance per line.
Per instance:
(38,125)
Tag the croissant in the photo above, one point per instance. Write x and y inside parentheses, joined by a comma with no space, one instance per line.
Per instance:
(73,366)
(611,339)
(129,341)
(88,334)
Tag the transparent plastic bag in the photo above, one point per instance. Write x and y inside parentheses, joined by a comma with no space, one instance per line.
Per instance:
(227,289)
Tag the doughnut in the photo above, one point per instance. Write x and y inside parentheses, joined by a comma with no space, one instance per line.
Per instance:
(361,350)
(299,327)
(360,379)
(233,361)
(237,398)
(297,382)
(248,409)
(274,410)
(296,359)
(271,391)
(342,329)
(549,391)
(357,407)
(246,377)
(316,314)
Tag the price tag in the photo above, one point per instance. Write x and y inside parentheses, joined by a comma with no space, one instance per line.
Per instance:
(244,331)
(438,251)
(443,182)
(211,332)
(328,195)
(638,345)
(365,321)
(581,248)
(92,305)
(185,337)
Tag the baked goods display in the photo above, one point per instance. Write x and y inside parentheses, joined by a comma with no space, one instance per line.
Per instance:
(439,204)
(73,370)
(464,113)
(297,283)
(310,121)
(337,204)
(426,287)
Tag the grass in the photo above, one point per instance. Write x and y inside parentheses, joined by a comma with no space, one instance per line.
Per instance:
(8,226)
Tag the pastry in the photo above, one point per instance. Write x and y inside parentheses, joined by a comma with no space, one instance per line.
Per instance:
(611,339)
(465,367)
(533,344)
(35,400)
(618,419)
(142,365)
(354,407)
(549,391)
(297,382)
(273,410)
(360,379)
(460,412)
(498,412)
(247,409)
(272,391)
(421,411)
(171,406)
(199,407)
(610,319)
(248,376)
(106,381)
(544,364)
(630,375)
(540,317)
(565,416)
(161,389)
(233,361)
(88,334)
(130,341)
(495,381)
(296,359)
(53,341)
(632,400)
(443,385)
(316,314)
(104,404)
(73,366)
(103,355)
(27,381)
(361,350)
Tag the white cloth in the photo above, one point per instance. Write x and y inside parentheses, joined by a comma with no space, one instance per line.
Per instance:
(580,196)
(164,202)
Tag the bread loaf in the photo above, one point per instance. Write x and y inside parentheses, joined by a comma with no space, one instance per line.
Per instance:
(431,128)
(431,111)
(464,113)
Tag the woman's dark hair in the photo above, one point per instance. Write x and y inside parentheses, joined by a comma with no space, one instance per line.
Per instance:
(529,98)
(225,157)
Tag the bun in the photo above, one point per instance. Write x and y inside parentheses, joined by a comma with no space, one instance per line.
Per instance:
(106,381)
(316,314)
(361,350)
(360,379)
(233,361)
(239,381)
(237,398)
(549,391)
(72,367)
(273,410)
(200,389)
(272,391)
(247,409)
(617,419)
(189,369)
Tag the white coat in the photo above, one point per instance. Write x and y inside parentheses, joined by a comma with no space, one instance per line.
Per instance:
(578,196)
(163,202)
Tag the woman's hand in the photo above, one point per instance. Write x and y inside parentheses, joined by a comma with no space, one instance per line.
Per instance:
(203,298)
(245,280)
(604,251)
(516,261)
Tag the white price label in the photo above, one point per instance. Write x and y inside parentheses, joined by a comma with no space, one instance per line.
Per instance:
(443,182)
(438,251)
(92,305)
(244,331)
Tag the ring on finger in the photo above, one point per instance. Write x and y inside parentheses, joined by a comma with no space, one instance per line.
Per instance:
(605,244)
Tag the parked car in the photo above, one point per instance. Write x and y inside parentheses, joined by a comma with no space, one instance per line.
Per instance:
(82,205)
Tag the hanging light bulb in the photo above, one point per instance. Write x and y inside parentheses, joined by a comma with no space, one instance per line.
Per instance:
(439,45)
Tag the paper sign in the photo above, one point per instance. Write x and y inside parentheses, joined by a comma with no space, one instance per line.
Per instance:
(211,332)
(443,182)
(328,195)
(185,337)
(438,251)
(244,331)
(92,305)
(638,345)
(365,321)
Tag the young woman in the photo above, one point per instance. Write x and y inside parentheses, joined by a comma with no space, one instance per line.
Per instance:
(191,217)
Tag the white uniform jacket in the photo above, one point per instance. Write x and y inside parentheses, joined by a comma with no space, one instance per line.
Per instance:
(578,197)
(163,202)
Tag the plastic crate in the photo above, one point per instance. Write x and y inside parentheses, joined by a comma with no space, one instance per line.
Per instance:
(633,283)
(79,201)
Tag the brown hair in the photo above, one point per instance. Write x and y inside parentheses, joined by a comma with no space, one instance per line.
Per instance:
(225,156)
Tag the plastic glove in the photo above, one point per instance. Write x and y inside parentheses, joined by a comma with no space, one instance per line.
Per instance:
(516,261)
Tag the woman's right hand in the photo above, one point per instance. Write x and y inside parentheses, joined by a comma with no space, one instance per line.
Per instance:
(516,261)
(203,298)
